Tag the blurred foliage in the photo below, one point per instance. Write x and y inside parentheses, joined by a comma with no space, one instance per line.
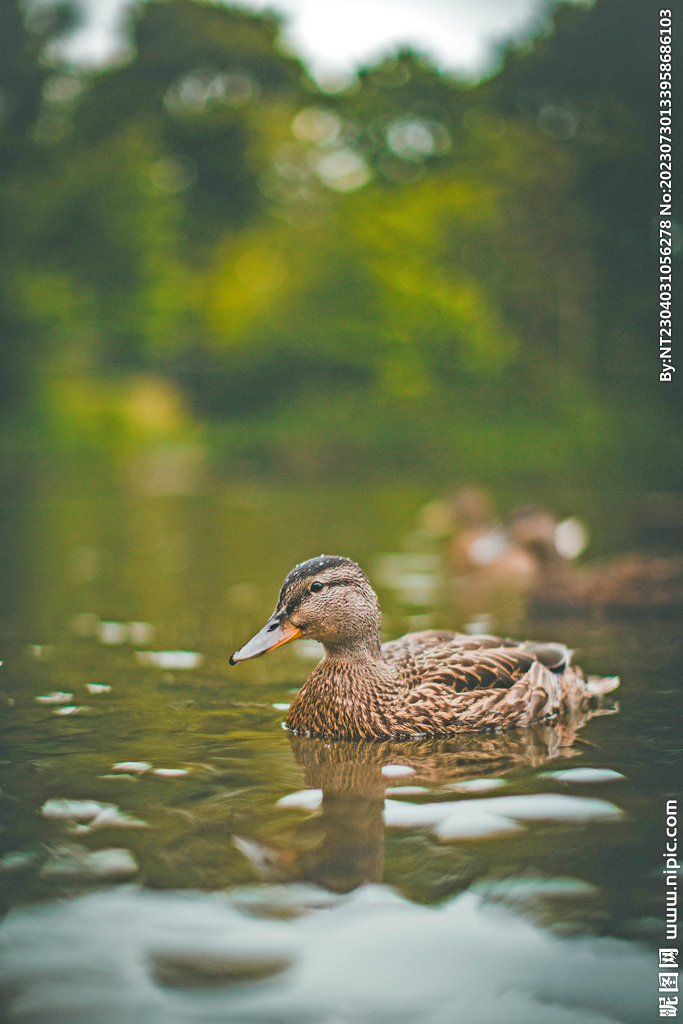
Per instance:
(412,273)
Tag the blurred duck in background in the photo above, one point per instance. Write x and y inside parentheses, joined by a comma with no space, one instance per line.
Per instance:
(625,584)
(502,572)
(489,574)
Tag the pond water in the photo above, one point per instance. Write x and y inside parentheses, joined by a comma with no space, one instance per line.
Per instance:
(169,852)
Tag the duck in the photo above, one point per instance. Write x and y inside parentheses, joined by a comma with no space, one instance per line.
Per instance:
(431,683)
(634,583)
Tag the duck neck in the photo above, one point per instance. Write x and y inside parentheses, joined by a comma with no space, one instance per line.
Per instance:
(359,671)
(350,693)
(364,651)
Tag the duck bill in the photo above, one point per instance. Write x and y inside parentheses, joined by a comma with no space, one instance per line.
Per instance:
(275,633)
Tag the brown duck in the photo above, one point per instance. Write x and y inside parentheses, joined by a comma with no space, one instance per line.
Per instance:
(622,585)
(425,684)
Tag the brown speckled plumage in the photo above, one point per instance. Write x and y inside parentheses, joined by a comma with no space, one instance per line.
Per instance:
(424,684)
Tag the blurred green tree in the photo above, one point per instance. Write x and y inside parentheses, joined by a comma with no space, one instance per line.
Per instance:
(588,79)
(200,76)
(22,79)
(413,272)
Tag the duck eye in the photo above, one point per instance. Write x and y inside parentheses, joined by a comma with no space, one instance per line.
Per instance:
(316,588)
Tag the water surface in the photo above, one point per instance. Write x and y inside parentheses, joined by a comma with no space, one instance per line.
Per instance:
(199,574)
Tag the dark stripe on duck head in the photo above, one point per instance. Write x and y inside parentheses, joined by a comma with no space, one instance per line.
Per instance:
(296,601)
(311,568)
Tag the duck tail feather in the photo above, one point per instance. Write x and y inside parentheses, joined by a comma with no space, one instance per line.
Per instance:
(599,685)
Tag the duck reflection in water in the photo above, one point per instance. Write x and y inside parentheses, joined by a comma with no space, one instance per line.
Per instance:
(388,699)
(342,846)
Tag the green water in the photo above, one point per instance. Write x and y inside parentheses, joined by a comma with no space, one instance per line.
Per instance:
(203,571)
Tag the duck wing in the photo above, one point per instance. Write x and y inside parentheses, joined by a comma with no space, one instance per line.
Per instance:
(455,681)
(458,661)
(536,696)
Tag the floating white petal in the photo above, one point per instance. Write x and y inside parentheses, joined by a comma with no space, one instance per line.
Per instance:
(140,632)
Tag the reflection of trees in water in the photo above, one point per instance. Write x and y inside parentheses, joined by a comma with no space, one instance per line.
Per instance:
(343,847)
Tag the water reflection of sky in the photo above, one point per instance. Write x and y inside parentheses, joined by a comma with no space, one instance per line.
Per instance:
(371,958)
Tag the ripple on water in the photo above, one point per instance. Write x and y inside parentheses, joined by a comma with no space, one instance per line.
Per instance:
(373,956)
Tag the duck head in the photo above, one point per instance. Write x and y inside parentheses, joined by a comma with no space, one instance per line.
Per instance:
(329,599)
